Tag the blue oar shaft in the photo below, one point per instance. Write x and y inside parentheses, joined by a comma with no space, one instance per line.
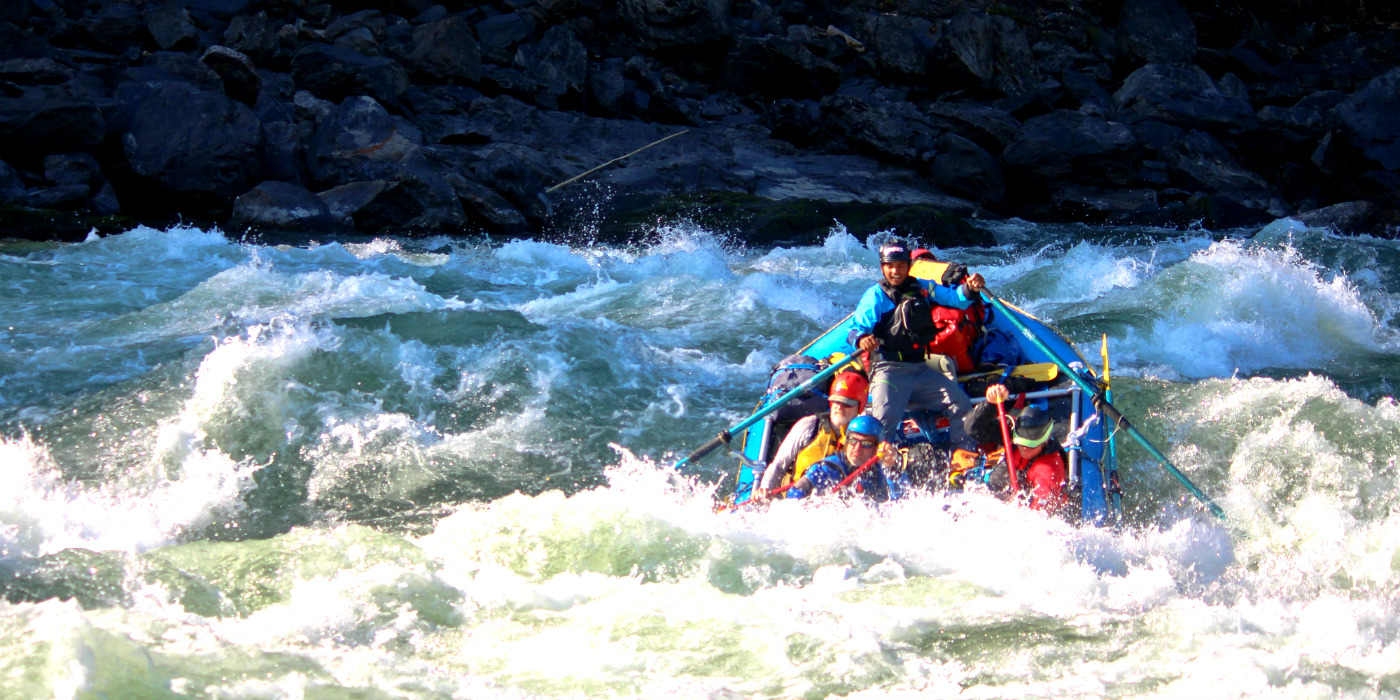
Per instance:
(724,437)
(1107,408)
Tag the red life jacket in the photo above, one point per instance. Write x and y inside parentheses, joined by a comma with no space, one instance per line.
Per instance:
(1043,480)
(957,330)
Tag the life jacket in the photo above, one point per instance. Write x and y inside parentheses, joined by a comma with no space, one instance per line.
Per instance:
(827,442)
(957,331)
(905,331)
(969,466)
(1042,481)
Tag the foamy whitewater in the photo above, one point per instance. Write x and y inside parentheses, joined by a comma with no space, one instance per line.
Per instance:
(442,468)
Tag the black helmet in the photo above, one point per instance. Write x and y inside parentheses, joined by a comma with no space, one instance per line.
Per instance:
(1033,428)
(894,251)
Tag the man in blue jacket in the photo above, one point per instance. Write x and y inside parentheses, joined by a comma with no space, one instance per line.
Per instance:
(878,481)
(894,323)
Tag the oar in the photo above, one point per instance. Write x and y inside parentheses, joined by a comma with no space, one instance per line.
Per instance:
(1039,371)
(856,474)
(1010,449)
(1105,407)
(725,436)
(1114,491)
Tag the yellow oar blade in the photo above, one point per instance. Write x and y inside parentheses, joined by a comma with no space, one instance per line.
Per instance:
(1040,372)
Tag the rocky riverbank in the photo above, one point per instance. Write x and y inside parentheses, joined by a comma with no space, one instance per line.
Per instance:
(414,117)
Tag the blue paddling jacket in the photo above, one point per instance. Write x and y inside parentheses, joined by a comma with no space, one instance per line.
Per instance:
(873,315)
(823,476)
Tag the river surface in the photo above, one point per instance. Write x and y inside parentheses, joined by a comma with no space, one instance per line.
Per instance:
(442,468)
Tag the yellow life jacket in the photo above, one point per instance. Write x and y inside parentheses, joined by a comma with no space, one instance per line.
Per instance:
(826,443)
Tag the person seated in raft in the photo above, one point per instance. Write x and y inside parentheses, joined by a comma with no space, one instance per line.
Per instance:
(1039,459)
(893,323)
(956,330)
(878,481)
(816,437)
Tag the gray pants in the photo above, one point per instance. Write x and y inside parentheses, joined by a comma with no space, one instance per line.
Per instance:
(894,384)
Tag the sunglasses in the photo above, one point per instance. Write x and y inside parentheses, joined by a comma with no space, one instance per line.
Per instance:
(865,444)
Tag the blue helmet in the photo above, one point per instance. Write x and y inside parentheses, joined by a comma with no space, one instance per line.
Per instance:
(865,425)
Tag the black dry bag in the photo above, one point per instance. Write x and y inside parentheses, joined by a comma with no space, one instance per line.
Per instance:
(787,375)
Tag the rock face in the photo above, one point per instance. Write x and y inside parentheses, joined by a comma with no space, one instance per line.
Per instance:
(183,140)
(410,117)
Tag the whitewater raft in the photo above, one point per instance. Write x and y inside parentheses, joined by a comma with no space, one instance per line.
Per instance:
(1092,479)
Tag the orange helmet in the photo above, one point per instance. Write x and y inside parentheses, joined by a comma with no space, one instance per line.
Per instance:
(850,389)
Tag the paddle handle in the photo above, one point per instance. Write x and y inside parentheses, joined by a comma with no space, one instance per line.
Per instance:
(1010,449)
(704,450)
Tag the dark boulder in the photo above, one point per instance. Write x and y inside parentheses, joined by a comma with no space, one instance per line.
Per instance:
(1219,212)
(676,23)
(334,73)
(992,48)
(486,207)
(1370,119)
(778,67)
(362,42)
(236,71)
(104,201)
(1101,205)
(175,67)
(520,176)
(72,169)
(1156,31)
(284,150)
(170,25)
(421,201)
(31,128)
(890,130)
(1200,162)
(187,140)
(281,206)
(962,167)
(1354,218)
(63,197)
(115,25)
(34,71)
(11,184)
(898,47)
(445,52)
(372,22)
(359,140)
(257,36)
(987,126)
(607,87)
(343,201)
(499,36)
(219,9)
(558,65)
(1077,147)
(1182,95)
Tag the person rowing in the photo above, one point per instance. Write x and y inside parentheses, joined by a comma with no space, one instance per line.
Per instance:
(1039,459)
(856,466)
(894,323)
